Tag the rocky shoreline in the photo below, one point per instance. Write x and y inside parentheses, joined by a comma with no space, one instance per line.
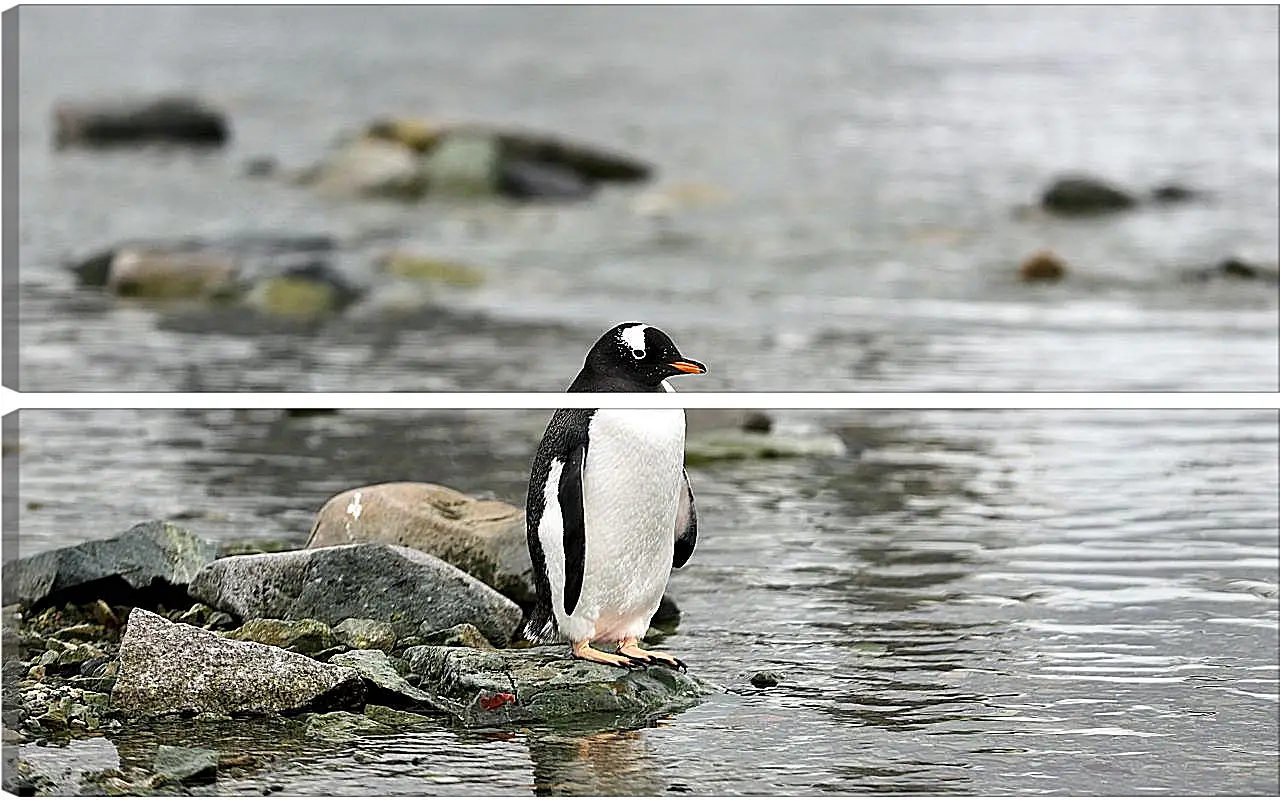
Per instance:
(361,638)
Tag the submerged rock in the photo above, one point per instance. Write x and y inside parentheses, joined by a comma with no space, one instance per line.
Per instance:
(483,538)
(186,764)
(1235,268)
(403,587)
(170,120)
(1084,194)
(171,668)
(546,684)
(306,636)
(341,726)
(741,445)
(1043,266)
(150,561)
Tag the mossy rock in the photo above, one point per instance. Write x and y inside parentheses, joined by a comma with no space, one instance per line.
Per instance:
(430,269)
(742,445)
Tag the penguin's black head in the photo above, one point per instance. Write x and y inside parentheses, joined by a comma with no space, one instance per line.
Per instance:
(633,357)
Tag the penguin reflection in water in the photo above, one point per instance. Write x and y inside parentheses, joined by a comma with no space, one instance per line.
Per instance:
(610,512)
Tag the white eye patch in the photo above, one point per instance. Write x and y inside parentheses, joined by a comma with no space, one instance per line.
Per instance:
(633,337)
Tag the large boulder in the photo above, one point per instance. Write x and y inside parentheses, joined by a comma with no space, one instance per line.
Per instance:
(542,684)
(152,561)
(483,538)
(406,588)
(169,120)
(1075,195)
(172,668)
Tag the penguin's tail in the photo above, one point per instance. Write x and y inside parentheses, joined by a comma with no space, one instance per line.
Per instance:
(540,629)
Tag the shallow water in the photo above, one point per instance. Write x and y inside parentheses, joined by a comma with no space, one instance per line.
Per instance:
(870,160)
(1028,602)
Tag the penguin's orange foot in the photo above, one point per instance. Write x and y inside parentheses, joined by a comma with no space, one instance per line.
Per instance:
(632,649)
(586,652)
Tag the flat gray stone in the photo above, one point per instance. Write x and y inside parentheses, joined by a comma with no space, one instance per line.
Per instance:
(543,684)
(386,686)
(147,554)
(186,764)
(403,587)
(171,668)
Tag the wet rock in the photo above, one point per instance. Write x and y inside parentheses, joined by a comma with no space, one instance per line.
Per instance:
(59,771)
(261,167)
(1074,195)
(546,684)
(303,290)
(465,164)
(190,765)
(464,635)
(168,120)
(736,446)
(668,614)
(766,680)
(483,538)
(366,634)
(306,636)
(341,726)
(1042,266)
(384,683)
(369,167)
(757,422)
(152,561)
(161,275)
(1235,268)
(168,668)
(397,585)
(699,421)
(522,179)
(1170,193)
(429,269)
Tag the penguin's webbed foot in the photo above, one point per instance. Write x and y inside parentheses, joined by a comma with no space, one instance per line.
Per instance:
(631,648)
(586,652)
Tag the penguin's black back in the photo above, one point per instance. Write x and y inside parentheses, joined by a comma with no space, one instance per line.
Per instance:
(566,431)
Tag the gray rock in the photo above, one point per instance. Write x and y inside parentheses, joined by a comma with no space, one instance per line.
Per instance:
(186,764)
(385,685)
(155,558)
(729,445)
(169,120)
(464,635)
(545,684)
(306,636)
(483,538)
(366,634)
(1083,194)
(395,718)
(169,668)
(464,164)
(403,587)
(766,680)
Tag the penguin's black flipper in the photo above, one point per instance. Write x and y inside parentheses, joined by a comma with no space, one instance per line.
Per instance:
(686,526)
(575,530)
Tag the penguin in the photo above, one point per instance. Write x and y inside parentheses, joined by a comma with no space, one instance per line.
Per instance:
(610,512)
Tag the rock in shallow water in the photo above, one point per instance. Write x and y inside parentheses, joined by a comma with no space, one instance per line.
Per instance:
(403,587)
(169,668)
(186,764)
(151,557)
(171,120)
(385,685)
(1075,195)
(544,684)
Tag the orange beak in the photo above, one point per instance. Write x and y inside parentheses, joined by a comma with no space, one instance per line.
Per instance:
(691,367)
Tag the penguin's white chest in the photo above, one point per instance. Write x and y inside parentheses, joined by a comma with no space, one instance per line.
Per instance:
(631,489)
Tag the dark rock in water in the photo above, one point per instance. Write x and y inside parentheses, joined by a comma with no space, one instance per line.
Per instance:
(306,636)
(531,180)
(385,685)
(170,120)
(546,684)
(483,538)
(1236,269)
(171,668)
(366,634)
(1169,193)
(667,615)
(403,587)
(150,562)
(261,167)
(186,764)
(1082,194)
(757,422)
(1042,266)
(766,680)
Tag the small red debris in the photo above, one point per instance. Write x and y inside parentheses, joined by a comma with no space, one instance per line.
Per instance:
(496,700)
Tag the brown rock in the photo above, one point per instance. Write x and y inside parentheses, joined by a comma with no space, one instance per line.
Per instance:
(484,538)
(1042,266)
